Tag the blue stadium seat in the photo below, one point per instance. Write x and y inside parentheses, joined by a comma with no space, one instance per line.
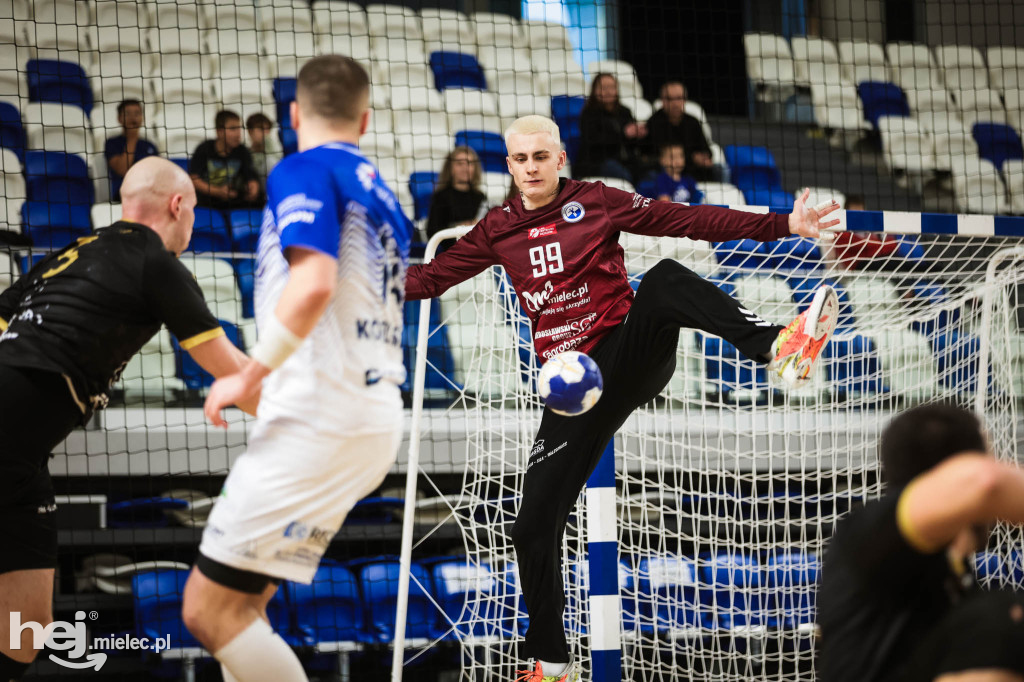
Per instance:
(490,147)
(282,618)
(440,363)
(375,511)
(58,178)
(792,581)
(735,580)
(465,593)
(746,156)
(157,597)
(989,567)
(456,70)
(727,368)
(756,177)
(284,94)
(997,142)
(741,253)
(566,110)
(181,161)
(245,232)
(957,355)
(513,619)
(421,185)
(770,196)
(378,582)
(54,226)
(330,608)
(245,229)
(12,132)
(794,253)
(882,99)
(189,371)
(58,81)
(142,512)
(669,597)
(210,232)
(289,140)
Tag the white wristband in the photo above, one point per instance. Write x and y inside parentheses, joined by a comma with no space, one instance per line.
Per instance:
(276,343)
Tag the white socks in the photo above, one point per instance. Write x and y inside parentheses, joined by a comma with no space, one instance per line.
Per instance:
(552,669)
(258,654)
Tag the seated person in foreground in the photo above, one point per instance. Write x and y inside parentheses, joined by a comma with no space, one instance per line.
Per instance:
(897,600)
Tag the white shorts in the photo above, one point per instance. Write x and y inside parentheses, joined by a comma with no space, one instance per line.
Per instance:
(288,495)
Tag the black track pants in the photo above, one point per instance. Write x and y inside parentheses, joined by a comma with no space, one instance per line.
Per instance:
(637,360)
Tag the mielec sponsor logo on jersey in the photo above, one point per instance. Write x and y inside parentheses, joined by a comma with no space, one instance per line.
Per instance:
(542,231)
(545,297)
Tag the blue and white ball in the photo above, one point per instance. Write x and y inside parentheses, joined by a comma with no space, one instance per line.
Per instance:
(570,383)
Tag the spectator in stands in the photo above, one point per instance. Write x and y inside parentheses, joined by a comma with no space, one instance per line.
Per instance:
(672,125)
(458,199)
(222,169)
(862,250)
(609,134)
(125,150)
(263,159)
(674,184)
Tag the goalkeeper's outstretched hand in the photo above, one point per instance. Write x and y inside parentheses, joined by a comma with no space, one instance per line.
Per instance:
(806,221)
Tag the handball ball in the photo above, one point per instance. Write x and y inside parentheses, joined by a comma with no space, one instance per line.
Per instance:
(570,383)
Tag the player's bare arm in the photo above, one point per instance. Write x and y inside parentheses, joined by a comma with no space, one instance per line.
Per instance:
(221,358)
(310,286)
(967,489)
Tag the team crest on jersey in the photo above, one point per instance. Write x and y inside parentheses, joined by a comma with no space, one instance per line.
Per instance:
(573,212)
(366,174)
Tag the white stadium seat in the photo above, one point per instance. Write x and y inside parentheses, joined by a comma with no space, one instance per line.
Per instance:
(978,187)
(393,21)
(980,105)
(1006,68)
(230,17)
(357,47)
(863,61)
(401,50)
(216,278)
(544,35)
(963,67)
(1013,171)
(912,66)
(170,14)
(8,270)
(815,60)
(722,193)
(14,191)
(119,14)
(105,213)
(340,18)
(495,29)
(905,145)
(450,27)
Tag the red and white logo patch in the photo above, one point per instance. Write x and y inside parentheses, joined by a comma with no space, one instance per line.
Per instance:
(542,231)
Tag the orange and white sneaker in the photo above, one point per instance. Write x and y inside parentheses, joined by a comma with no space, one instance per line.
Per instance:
(571,674)
(798,346)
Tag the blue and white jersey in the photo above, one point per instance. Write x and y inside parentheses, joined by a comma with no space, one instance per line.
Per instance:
(346,374)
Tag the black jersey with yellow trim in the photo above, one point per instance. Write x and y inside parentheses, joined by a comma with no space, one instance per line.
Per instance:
(85,310)
(882,589)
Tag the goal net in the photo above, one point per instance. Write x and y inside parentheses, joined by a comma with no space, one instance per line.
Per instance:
(727,488)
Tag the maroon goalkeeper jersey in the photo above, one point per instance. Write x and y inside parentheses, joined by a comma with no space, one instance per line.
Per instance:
(564,259)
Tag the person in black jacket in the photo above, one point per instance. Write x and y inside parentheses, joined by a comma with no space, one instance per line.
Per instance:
(672,125)
(457,199)
(608,133)
(897,599)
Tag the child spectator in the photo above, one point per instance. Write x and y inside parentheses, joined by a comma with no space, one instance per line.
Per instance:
(673,184)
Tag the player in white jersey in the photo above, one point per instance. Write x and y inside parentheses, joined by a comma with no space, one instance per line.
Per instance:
(332,258)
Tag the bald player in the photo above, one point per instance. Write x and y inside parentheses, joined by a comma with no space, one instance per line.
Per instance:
(69,327)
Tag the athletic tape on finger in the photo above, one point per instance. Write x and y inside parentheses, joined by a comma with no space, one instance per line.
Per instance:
(824,205)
